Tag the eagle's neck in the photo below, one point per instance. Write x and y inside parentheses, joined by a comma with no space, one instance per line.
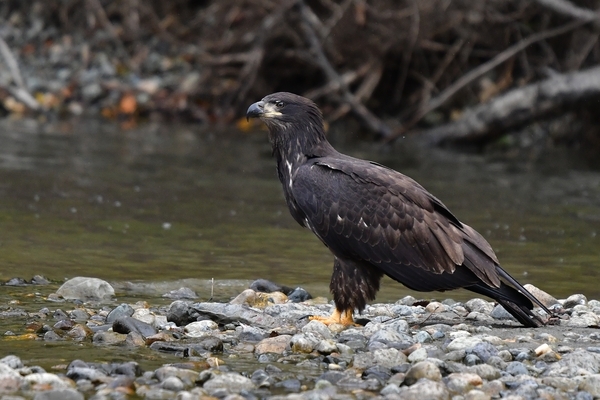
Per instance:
(293,145)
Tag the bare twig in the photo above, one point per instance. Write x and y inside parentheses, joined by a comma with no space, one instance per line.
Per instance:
(567,8)
(475,73)
(368,118)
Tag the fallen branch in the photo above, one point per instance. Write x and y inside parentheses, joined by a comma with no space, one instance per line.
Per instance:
(19,91)
(481,70)
(518,107)
(567,8)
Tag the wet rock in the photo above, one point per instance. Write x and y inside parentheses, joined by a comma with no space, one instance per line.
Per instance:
(579,362)
(129,324)
(425,389)
(461,383)
(289,385)
(187,377)
(200,328)
(277,345)
(181,293)
(463,343)
(302,343)
(123,310)
(384,357)
(235,313)
(108,338)
(574,300)
(480,306)
(266,286)
(16,282)
(299,295)
(423,369)
(12,361)
(10,380)
(231,382)
(483,350)
(86,289)
(251,333)
(84,372)
(79,315)
(59,394)
(45,380)
(39,280)
(181,313)
(582,320)
(545,298)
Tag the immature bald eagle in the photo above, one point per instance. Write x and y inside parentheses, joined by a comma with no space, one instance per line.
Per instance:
(377,221)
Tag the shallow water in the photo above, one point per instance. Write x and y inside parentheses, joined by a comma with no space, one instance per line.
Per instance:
(148,207)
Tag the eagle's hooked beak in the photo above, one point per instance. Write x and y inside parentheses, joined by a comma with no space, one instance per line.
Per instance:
(256,110)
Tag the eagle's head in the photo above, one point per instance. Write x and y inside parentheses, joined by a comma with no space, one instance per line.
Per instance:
(282,111)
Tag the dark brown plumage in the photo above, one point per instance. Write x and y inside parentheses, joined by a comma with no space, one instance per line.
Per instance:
(377,221)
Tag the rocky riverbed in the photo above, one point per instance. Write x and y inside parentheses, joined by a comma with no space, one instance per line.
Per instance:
(263,345)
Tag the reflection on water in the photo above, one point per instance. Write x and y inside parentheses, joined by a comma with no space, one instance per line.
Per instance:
(165,203)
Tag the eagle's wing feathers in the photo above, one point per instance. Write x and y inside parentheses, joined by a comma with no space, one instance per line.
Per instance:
(365,211)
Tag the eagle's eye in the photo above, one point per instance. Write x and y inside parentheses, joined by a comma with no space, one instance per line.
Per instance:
(279,104)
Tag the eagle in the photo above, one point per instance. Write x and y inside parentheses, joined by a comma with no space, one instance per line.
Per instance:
(377,221)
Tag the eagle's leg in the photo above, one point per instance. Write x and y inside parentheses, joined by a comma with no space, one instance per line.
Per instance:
(352,285)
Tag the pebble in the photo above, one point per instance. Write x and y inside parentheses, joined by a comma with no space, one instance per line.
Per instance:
(233,351)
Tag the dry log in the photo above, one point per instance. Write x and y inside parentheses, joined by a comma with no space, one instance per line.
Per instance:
(518,107)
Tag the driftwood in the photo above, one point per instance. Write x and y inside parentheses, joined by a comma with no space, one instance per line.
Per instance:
(520,106)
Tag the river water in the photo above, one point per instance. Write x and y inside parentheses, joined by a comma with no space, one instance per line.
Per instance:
(157,207)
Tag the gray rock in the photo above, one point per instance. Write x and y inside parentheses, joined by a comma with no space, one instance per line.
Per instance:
(461,383)
(181,293)
(326,346)
(123,310)
(425,389)
(172,383)
(200,328)
(303,343)
(277,345)
(574,300)
(591,384)
(423,369)
(90,374)
(12,361)
(108,338)
(485,371)
(229,313)
(10,380)
(579,362)
(230,381)
(582,320)
(463,343)
(418,355)
(517,368)
(187,377)
(48,380)
(182,313)
(318,329)
(483,350)
(542,296)
(87,289)
(500,312)
(384,357)
(480,306)
(129,324)
(59,394)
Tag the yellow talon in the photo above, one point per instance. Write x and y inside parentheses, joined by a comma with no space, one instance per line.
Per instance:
(343,318)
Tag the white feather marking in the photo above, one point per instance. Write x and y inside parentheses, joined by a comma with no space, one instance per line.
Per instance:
(340,219)
(289,167)
(362,222)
